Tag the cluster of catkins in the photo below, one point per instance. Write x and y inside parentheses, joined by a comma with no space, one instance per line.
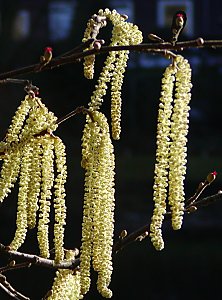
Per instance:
(171,152)
(32,153)
(36,157)
(98,153)
(123,33)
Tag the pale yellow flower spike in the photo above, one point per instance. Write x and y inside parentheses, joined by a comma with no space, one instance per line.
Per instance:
(123,33)
(21,221)
(59,201)
(10,170)
(40,118)
(104,78)
(35,182)
(89,141)
(19,119)
(89,61)
(178,149)
(162,157)
(66,285)
(11,165)
(47,182)
(98,213)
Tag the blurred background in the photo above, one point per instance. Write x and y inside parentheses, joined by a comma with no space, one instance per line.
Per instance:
(190,265)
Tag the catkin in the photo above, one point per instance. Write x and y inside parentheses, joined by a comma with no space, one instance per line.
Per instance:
(172,129)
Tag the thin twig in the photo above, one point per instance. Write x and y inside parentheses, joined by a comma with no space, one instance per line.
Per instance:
(80,109)
(37,260)
(15,267)
(6,286)
(142,231)
(145,47)
(121,243)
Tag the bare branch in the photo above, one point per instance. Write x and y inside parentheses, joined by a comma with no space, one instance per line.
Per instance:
(6,286)
(37,260)
(153,48)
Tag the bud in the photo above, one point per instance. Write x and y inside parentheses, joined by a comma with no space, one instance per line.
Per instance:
(192,209)
(123,234)
(211,176)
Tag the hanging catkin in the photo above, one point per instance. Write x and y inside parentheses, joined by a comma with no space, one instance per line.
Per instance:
(172,129)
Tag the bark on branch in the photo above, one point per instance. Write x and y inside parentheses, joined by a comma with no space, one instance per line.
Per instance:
(77,54)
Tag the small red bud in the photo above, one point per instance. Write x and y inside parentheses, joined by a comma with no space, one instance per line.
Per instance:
(48,49)
(211,176)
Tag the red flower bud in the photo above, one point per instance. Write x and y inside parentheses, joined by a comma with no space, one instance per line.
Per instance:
(211,176)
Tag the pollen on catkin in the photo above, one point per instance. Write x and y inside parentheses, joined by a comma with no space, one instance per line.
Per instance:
(59,200)
(172,129)
(21,222)
(47,171)
(34,183)
(178,136)
(162,157)
(98,214)
(66,283)
(123,33)
(92,30)
(34,155)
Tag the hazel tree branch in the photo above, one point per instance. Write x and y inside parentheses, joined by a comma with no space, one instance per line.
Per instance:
(7,287)
(77,54)
(123,241)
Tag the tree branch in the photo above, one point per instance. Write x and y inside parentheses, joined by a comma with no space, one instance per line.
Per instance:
(37,260)
(123,241)
(6,286)
(153,48)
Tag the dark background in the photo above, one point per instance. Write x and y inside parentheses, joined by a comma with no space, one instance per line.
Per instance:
(190,265)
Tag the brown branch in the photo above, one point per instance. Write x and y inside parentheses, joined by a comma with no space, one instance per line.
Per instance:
(37,260)
(80,109)
(154,48)
(142,232)
(6,286)
(121,243)
(14,266)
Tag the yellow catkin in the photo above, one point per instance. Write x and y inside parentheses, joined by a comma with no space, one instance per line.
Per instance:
(59,201)
(172,129)
(39,119)
(32,152)
(91,32)
(178,149)
(10,170)
(66,285)
(31,117)
(19,119)
(162,157)
(47,143)
(21,221)
(89,140)
(35,182)
(97,237)
(101,86)
(123,33)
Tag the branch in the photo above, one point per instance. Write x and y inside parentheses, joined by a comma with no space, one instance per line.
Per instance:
(123,241)
(142,232)
(6,286)
(37,260)
(153,48)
